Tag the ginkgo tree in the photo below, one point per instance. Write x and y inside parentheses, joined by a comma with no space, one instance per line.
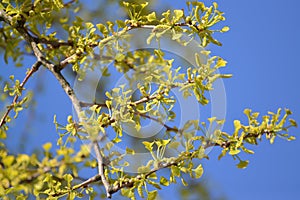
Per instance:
(59,39)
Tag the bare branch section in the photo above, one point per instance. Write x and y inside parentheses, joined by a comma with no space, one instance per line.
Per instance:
(89,181)
(101,168)
(33,69)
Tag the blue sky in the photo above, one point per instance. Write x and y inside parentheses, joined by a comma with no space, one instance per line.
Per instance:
(262,50)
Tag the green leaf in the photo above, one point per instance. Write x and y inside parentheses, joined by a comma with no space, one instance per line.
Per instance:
(2,134)
(199,171)
(148,145)
(234,151)
(102,28)
(89,25)
(242,164)
(221,63)
(247,112)
(225,29)
(291,138)
(178,15)
(126,4)
(152,195)
(176,36)
(138,126)
(226,75)
(58,4)
(151,17)
(293,123)
(163,142)
(205,52)
(272,139)
(130,151)
(224,151)
(166,14)
(127,192)
(184,182)
(47,146)
(175,171)
(247,150)
(116,140)
(8,160)
(288,111)
(108,95)
(237,127)
(72,195)
(140,191)
(163,181)
(215,5)
(143,5)
(120,23)
(119,57)
(21,197)
(68,178)
(156,185)
(198,59)
(251,140)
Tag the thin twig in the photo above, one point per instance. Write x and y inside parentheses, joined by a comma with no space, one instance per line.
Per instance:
(69,3)
(41,59)
(53,43)
(106,40)
(35,175)
(169,128)
(86,104)
(55,69)
(130,183)
(84,184)
(33,69)
(101,168)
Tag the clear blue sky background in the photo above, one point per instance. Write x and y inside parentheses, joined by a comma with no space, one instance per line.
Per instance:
(262,50)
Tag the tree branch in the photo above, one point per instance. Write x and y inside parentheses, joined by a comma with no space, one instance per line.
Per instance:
(130,183)
(68,90)
(69,3)
(224,145)
(169,128)
(19,26)
(36,175)
(101,164)
(128,28)
(33,69)
(84,184)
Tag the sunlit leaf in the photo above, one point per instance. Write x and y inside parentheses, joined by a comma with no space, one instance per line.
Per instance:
(242,164)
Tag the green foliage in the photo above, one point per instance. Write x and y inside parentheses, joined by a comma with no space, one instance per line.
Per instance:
(50,32)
